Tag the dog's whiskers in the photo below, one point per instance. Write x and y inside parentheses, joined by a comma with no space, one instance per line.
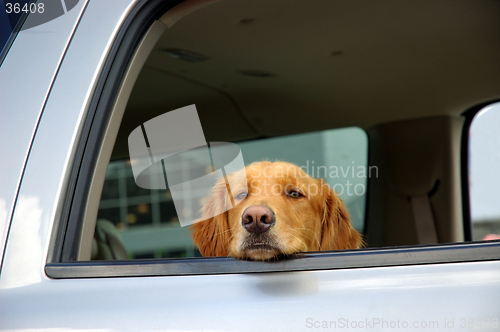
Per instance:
(300,241)
(223,232)
(306,236)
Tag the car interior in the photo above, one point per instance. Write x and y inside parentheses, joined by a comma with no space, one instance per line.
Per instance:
(391,86)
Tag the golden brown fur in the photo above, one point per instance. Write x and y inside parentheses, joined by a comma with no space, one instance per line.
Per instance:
(313,218)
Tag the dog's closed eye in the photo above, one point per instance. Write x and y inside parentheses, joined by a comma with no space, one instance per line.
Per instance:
(241,196)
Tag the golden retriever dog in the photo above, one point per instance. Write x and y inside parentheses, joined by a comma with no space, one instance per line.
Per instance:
(284,212)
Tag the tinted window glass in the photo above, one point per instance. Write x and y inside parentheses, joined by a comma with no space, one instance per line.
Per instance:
(9,19)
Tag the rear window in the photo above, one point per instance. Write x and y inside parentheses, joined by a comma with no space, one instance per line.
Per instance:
(484,163)
(13,16)
(148,221)
(10,22)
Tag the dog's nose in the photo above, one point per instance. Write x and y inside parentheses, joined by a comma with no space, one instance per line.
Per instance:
(257,219)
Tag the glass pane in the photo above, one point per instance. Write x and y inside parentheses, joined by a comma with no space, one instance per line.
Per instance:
(147,218)
(484,163)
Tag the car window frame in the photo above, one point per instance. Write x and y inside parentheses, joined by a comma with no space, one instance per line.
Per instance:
(64,262)
(129,37)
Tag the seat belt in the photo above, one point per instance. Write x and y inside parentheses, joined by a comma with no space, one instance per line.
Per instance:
(424,220)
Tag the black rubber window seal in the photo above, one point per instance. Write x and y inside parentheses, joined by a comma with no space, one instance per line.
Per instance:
(469,115)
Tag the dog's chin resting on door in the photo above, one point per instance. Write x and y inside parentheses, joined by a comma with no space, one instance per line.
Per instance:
(284,212)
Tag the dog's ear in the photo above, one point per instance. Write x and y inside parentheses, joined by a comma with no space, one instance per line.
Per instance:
(212,235)
(337,232)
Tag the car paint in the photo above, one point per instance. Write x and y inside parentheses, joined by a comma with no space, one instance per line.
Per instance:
(26,77)
(39,141)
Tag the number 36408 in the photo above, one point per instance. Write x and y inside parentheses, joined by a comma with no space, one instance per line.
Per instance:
(31,8)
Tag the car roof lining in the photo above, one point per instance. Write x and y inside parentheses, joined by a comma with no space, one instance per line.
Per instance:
(357,64)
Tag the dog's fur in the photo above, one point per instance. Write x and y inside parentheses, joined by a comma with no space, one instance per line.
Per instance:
(306,215)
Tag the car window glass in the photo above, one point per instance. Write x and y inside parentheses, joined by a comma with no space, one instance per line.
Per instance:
(5,27)
(10,18)
(484,163)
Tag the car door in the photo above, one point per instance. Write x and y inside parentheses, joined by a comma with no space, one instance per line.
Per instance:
(46,283)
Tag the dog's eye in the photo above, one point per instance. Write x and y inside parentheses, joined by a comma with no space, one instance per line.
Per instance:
(242,195)
(294,194)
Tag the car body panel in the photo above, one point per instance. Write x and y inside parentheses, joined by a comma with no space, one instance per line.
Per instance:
(23,94)
(54,143)
(289,301)
(449,295)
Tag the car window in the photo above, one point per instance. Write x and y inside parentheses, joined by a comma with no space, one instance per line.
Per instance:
(484,162)
(5,27)
(10,21)
(271,90)
(236,102)
(13,16)
(147,219)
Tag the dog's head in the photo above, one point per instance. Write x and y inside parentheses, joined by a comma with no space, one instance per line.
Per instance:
(285,211)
